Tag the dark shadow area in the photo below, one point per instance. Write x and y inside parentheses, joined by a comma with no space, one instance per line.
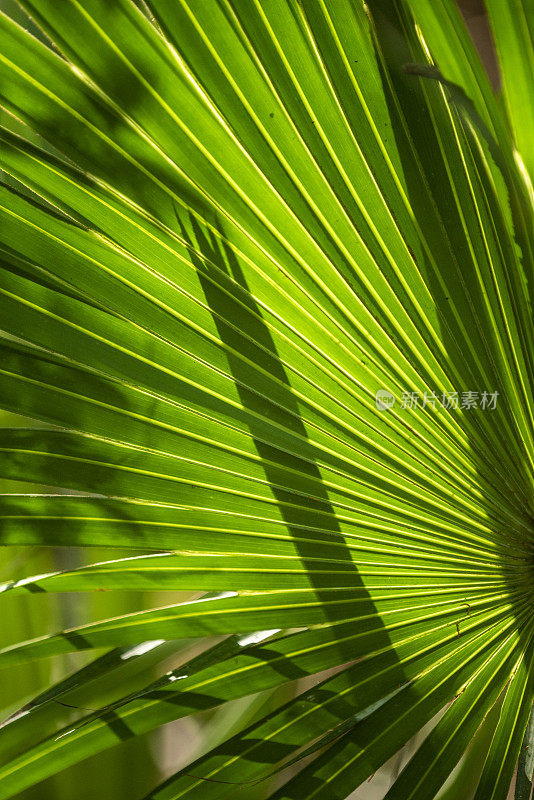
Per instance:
(287,490)
(479,28)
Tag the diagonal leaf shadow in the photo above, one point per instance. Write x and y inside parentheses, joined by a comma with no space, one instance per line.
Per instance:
(219,257)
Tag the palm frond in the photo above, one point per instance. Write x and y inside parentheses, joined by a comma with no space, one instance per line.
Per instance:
(266,274)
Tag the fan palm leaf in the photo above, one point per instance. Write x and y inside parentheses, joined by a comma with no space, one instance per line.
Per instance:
(266,276)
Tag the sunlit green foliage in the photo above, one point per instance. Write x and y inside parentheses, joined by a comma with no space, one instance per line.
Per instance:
(225,225)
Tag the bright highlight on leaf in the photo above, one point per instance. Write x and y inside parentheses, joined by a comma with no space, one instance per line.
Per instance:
(266,275)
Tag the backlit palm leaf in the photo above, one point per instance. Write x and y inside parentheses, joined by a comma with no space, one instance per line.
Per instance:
(238,222)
